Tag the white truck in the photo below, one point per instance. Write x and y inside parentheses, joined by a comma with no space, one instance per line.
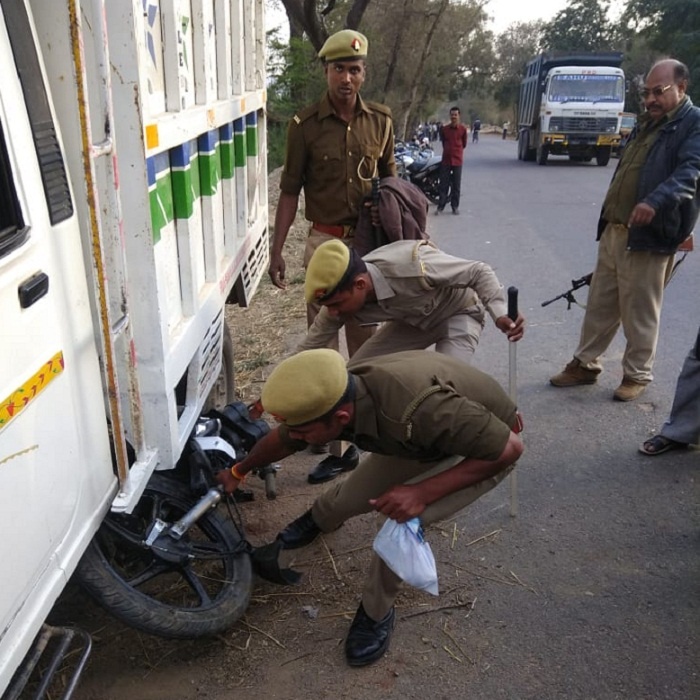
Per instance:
(133,207)
(571,105)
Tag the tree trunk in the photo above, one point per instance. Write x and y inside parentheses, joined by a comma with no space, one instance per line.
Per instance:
(409,105)
(305,14)
(394,56)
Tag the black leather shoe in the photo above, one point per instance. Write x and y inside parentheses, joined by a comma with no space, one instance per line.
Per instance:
(299,532)
(330,467)
(367,640)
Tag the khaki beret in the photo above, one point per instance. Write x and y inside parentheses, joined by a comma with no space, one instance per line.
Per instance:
(344,46)
(326,269)
(306,386)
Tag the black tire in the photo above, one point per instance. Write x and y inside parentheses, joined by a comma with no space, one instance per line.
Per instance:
(203,597)
(224,390)
(602,156)
(528,153)
(542,154)
(431,187)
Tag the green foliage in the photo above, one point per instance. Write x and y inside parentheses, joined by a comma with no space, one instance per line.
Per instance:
(670,28)
(295,79)
(583,25)
(514,48)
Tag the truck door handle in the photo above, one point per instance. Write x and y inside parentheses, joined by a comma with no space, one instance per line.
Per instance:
(32,289)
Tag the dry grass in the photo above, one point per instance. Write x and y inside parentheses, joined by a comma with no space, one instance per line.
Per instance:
(275,322)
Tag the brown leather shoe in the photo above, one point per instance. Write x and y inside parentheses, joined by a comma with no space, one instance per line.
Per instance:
(629,390)
(575,375)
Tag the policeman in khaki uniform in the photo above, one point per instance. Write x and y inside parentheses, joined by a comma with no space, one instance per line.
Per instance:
(334,148)
(440,434)
(425,297)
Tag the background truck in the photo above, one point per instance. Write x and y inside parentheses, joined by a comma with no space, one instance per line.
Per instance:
(133,206)
(571,105)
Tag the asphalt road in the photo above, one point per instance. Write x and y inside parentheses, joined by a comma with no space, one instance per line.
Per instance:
(606,536)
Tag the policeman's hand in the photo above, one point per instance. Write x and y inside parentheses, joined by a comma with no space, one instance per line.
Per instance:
(513,329)
(276,271)
(373,214)
(400,503)
(255,409)
(641,215)
(227,480)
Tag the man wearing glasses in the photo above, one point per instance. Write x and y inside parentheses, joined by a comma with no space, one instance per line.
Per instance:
(650,208)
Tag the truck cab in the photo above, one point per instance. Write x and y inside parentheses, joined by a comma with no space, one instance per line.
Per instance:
(571,106)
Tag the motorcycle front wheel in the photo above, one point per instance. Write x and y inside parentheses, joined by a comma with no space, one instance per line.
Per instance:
(201,596)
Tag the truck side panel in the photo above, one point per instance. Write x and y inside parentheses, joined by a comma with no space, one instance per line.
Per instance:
(192,197)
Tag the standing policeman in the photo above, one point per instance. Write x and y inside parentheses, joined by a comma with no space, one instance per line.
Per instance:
(334,148)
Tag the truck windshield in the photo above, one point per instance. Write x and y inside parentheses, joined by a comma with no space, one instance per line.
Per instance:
(586,88)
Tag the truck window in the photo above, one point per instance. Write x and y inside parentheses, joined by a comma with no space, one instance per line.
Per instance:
(12,230)
(586,88)
(53,170)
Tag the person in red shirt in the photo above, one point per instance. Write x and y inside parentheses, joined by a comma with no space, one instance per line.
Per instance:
(454,141)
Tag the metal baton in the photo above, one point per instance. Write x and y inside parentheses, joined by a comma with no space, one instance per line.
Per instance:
(513,389)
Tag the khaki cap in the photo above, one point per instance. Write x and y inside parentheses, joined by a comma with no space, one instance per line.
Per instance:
(326,269)
(306,386)
(344,46)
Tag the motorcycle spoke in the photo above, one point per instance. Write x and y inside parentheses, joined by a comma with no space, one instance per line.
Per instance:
(196,585)
(155,569)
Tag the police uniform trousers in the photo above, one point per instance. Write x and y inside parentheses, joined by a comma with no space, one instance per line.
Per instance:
(683,424)
(458,337)
(375,475)
(627,288)
(355,334)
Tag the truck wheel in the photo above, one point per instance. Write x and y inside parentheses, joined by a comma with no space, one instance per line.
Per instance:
(528,153)
(542,154)
(602,156)
(179,600)
(224,391)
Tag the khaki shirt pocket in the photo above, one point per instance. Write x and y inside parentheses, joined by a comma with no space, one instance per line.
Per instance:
(328,159)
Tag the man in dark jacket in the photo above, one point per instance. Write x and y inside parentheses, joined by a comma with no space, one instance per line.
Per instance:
(650,208)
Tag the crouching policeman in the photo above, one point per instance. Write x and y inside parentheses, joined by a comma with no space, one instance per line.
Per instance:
(439,434)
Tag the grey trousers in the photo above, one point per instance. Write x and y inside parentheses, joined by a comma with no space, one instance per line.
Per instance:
(375,474)
(683,424)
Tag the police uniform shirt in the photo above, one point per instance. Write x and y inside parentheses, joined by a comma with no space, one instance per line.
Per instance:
(425,406)
(334,162)
(420,286)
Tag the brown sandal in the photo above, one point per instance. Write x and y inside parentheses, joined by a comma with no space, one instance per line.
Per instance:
(659,444)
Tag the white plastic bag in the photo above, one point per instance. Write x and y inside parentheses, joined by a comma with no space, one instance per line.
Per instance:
(407,554)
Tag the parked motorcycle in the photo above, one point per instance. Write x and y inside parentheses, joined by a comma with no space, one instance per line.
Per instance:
(421,167)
